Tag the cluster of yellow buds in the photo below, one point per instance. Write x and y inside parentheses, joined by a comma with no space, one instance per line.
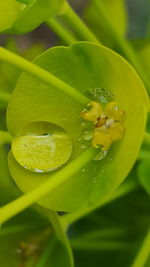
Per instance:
(108,123)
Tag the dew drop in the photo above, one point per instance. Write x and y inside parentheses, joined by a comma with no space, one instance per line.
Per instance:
(42,147)
(87,135)
(100,155)
(102,95)
(82,146)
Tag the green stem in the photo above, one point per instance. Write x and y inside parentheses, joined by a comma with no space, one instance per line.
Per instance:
(61,31)
(5,138)
(124,189)
(46,254)
(78,25)
(110,232)
(19,228)
(143,253)
(100,246)
(4,98)
(42,74)
(127,50)
(18,205)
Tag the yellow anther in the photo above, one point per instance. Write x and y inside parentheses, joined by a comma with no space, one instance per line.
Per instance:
(113,111)
(101,139)
(101,121)
(107,123)
(116,131)
(94,113)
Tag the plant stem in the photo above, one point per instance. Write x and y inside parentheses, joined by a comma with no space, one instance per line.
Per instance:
(126,49)
(124,189)
(4,98)
(78,25)
(46,253)
(100,245)
(11,209)
(104,233)
(42,74)
(19,228)
(143,253)
(61,31)
(5,137)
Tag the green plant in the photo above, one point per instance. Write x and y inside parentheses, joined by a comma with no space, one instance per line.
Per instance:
(76,129)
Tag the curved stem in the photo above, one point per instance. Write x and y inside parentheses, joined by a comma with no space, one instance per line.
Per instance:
(19,228)
(143,253)
(42,74)
(109,232)
(124,189)
(61,31)
(46,253)
(4,98)
(126,49)
(100,245)
(78,25)
(5,138)
(18,205)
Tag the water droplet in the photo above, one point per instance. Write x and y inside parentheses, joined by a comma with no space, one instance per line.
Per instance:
(100,155)
(83,170)
(42,147)
(83,146)
(102,95)
(87,135)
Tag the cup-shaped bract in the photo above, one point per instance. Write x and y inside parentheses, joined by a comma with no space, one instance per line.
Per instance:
(16,17)
(84,66)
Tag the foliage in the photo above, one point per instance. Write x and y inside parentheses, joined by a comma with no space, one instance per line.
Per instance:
(64,201)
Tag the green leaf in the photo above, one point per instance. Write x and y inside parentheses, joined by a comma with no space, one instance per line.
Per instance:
(143,174)
(62,254)
(9,73)
(9,11)
(84,66)
(142,47)
(22,18)
(8,190)
(31,230)
(116,11)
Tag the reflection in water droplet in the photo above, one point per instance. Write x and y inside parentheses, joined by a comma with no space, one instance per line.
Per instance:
(100,155)
(82,146)
(87,135)
(102,95)
(42,147)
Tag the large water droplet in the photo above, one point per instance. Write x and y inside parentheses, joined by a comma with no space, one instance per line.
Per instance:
(100,155)
(42,147)
(102,95)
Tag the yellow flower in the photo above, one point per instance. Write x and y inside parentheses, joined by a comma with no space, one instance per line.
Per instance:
(108,125)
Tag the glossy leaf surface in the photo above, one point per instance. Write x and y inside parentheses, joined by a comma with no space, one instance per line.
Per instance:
(21,18)
(84,66)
